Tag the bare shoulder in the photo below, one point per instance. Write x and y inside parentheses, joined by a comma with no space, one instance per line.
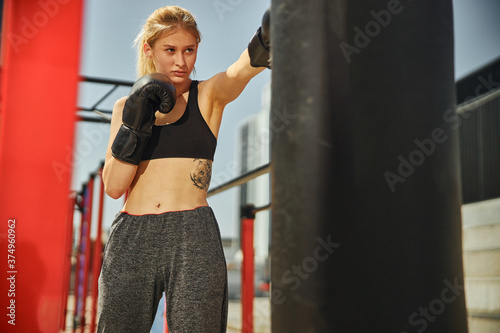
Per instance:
(208,87)
(210,107)
(210,90)
(206,94)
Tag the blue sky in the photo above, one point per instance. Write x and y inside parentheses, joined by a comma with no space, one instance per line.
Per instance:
(110,26)
(477,34)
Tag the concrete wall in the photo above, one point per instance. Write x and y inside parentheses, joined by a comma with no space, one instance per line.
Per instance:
(481,243)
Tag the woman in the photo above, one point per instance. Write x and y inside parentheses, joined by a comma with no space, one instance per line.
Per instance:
(166,238)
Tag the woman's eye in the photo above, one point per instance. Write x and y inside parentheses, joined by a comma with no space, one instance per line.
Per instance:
(189,50)
(170,50)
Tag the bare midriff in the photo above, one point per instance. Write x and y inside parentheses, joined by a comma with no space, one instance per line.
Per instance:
(169,184)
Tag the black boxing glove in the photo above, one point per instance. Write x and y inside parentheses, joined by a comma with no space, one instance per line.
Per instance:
(260,45)
(150,93)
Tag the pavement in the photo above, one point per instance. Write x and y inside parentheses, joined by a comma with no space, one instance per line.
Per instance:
(262,316)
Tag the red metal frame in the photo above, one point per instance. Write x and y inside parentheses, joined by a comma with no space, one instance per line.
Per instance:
(97,257)
(87,251)
(247,274)
(77,264)
(40,41)
(67,263)
(83,252)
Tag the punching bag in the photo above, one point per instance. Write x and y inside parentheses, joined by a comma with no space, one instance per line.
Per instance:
(366,231)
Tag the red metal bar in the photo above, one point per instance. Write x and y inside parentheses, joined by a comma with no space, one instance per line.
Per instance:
(97,257)
(34,73)
(247,274)
(87,251)
(67,263)
(77,264)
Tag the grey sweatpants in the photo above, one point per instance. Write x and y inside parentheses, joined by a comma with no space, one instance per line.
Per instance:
(179,253)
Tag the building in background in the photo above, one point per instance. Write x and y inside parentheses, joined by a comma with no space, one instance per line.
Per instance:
(478,121)
(254,151)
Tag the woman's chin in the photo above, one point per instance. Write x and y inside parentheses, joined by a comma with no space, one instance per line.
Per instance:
(178,79)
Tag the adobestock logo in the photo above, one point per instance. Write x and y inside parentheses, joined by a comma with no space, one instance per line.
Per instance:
(76,155)
(420,319)
(31,26)
(428,146)
(372,29)
(406,168)
(223,6)
(298,273)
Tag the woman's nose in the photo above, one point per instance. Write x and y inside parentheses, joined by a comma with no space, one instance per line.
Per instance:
(179,59)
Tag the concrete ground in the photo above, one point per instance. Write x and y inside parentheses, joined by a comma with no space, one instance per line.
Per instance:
(261,316)
(262,319)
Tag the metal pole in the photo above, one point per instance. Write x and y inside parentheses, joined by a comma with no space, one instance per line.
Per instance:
(242,179)
(97,257)
(247,267)
(35,156)
(106,81)
(67,263)
(87,244)
(366,221)
(76,284)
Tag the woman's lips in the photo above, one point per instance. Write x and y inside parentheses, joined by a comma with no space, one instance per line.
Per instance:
(179,73)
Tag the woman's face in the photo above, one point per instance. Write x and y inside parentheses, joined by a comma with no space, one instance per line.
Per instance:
(174,55)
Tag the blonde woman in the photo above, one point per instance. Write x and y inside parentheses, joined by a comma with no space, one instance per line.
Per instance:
(161,148)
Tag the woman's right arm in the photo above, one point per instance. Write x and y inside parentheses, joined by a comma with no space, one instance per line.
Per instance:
(117,175)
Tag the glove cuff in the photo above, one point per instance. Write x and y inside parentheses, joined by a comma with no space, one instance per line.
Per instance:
(129,145)
(259,53)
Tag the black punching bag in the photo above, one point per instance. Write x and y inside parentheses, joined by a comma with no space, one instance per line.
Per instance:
(366,221)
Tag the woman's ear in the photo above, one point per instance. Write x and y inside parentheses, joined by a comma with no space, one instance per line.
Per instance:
(148,51)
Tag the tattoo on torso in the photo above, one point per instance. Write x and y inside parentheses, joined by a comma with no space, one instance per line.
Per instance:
(202,174)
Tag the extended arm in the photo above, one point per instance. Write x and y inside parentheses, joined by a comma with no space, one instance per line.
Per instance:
(228,85)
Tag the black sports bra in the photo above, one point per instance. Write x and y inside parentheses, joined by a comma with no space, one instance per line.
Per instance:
(190,136)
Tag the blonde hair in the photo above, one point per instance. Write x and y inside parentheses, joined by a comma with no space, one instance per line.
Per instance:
(161,22)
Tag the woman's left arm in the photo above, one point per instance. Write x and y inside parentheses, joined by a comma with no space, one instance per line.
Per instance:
(228,85)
